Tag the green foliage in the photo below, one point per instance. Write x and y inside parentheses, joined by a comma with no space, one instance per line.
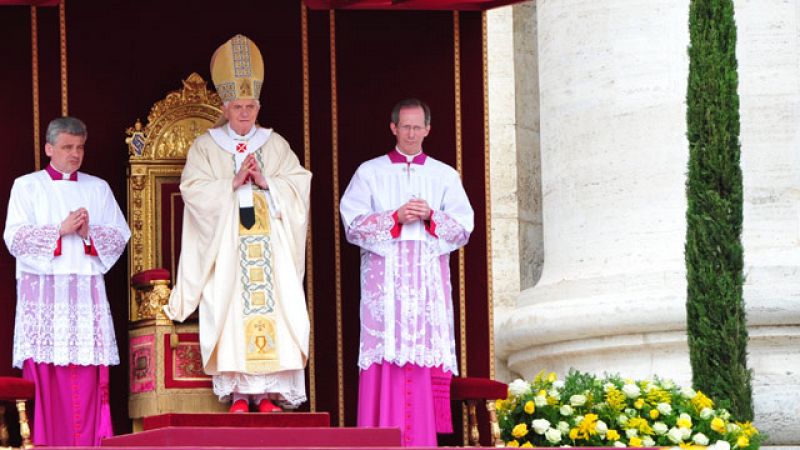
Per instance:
(587,411)
(716,319)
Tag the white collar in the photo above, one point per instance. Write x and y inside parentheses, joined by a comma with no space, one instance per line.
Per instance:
(409,158)
(238,137)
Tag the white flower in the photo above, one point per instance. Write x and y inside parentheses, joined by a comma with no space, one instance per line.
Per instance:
(685,417)
(577,400)
(688,392)
(687,433)
(563,427)
(608,386)
(558,384)
(733,428)
(631,432)
(622,419)
(664,408)
(519,387)
(619,444)
(577,420)
(725,415)
(660,428)
(601,427)
(553,436)
(566,410)
(631,412)
(700,439)
(675,435)
(540,401)
(720,445)
(631,391)
(540,425)
(706,413)
(647,441)
(555,394)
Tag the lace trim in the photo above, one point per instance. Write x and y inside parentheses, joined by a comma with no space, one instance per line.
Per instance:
(109,243)
(33,240)
(449,230)
(63,319)
(286,388)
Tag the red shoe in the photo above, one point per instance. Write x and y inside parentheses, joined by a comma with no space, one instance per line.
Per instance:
(240,406)
(266,406)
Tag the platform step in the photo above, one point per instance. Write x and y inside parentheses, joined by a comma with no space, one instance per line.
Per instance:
(258,437)
(250,420)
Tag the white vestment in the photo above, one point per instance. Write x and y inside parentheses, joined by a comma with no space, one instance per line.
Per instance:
(63,316)
(254,326)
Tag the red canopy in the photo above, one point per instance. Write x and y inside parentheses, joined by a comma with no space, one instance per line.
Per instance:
(460,5)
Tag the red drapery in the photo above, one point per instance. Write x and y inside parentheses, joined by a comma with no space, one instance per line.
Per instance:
(449,5)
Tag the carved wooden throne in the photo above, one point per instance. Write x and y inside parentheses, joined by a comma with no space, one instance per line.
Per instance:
(166,372)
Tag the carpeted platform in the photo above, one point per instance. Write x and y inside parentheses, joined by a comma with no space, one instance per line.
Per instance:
(258,437)
(251,420)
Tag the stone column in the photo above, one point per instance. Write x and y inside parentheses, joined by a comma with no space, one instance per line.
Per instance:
(611,298)
(768,51)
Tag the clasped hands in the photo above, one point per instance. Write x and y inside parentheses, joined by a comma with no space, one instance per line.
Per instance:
(250,172)
(76,222)
(415,209)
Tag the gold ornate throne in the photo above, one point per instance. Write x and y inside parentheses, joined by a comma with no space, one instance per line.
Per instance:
(166,372)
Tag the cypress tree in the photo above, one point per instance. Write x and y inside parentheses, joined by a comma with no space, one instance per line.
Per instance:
(717,329)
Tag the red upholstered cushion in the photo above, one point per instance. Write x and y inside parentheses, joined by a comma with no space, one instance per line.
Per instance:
(144,277)
(12,388)
(477,389)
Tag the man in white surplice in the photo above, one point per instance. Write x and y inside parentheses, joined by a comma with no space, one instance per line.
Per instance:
(407,212)
(66,230)
(242,258)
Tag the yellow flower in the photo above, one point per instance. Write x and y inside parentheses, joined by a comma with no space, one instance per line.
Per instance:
(654,414)
(657,396)
(520,430)
(718,425)
(742,441)
(542,393)
(684,422)
(526,445)
(587,427)
(513,443)
(499,404)
(573,434)
(639,403)
(530,407)
(615,399)
(612,435)
(635,442)
(539,377)
(639,424)
(700,401)
(748,429)
(552,377)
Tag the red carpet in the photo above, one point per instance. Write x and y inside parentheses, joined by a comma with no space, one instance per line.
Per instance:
(251,420)
(258,437)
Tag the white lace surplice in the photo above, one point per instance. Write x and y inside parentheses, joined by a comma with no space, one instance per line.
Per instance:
(406,295)
(62,315)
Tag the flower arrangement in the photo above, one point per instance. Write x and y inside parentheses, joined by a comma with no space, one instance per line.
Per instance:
(583,410)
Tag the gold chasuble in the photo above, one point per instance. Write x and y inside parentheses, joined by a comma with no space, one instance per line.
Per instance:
(247,283)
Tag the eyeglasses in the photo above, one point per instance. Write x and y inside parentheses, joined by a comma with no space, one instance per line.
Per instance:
(409,128)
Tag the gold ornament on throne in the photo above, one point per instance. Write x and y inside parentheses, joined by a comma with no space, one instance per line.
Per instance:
(168,374)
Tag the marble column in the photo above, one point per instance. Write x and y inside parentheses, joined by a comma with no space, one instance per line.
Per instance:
(611,298)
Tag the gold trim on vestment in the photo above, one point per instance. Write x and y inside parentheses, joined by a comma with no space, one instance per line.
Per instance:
(62,39)
(312,380)
(37,163)
(488,193)
(336,218)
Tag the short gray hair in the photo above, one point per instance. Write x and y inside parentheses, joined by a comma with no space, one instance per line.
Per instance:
(68,125)
(411,103)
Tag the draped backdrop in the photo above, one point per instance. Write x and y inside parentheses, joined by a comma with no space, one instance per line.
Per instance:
(123,56)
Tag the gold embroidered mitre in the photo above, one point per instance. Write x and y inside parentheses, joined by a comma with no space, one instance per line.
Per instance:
(237,69)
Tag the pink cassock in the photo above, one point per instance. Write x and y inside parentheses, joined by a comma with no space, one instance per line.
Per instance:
(407,330)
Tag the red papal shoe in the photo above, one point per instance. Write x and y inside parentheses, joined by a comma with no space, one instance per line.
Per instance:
(240,406)
(266,406)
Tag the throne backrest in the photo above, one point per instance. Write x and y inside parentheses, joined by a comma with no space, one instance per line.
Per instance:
(157,152)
